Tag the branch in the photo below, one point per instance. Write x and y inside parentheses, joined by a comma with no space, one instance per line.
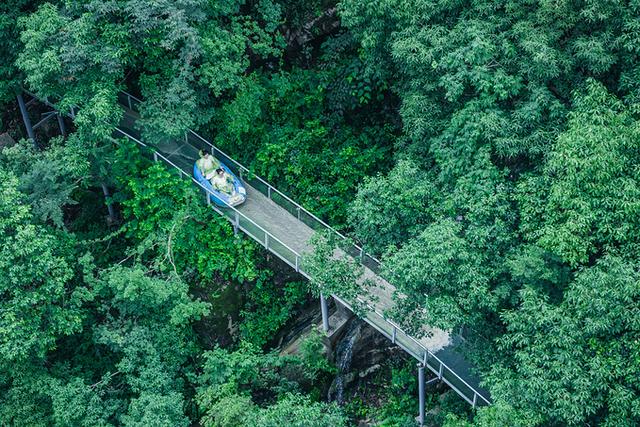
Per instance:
(169,255)
(104,379)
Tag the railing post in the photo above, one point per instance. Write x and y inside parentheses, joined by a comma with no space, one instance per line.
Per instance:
(269,192)
(236,223)
(129,101)
(208,198)
(26,119)
(155,156)
(266,240)
(440,370)
(475,399)
(298,209)
(421,394)
(325,313)
(393,335)
(297,264)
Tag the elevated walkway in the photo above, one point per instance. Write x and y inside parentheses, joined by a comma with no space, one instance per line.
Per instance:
(285,228)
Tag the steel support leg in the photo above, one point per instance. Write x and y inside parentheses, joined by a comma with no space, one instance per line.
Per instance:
(421,388)
(325,313)
(112,212)
(63,130)
(236,223)
(26,119)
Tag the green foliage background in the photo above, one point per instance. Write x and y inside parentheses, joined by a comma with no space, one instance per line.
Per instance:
(487,151)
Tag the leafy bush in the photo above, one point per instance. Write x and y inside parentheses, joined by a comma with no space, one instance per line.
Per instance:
(268,307)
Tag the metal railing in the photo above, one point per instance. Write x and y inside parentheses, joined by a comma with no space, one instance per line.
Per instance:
(269,190)
(412,346)
(239,220)
(294,259)
(375,318)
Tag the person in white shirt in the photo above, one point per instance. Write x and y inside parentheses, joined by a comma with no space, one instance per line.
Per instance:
(222,181)
(207,165)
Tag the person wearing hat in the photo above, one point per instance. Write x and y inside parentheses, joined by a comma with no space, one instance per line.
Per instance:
(207,164)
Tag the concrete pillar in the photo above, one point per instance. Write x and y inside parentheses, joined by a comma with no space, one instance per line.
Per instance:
(325,313)
(26,119)
(421,391)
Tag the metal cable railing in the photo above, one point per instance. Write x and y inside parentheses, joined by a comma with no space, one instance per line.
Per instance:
(412,346)
(238,219)
(378,320)
(294,259)
(269,190)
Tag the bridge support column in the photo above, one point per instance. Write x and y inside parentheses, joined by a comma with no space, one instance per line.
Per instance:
(421,391)
(26,119)
(63,129)
(105,192)
(325,313)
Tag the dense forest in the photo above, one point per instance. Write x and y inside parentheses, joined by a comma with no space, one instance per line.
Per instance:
(487,151)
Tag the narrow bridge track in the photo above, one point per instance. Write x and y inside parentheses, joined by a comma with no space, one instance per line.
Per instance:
(285,228)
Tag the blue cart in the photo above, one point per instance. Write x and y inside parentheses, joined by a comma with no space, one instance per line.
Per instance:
(219,198)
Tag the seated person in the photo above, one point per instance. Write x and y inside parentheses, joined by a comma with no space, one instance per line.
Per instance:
(222,181)
(207,164)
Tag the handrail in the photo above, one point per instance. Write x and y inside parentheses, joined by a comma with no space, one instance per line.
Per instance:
(160,155)
(289,199)
(365,304)
(369,307)
(271,187)
(428,354)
